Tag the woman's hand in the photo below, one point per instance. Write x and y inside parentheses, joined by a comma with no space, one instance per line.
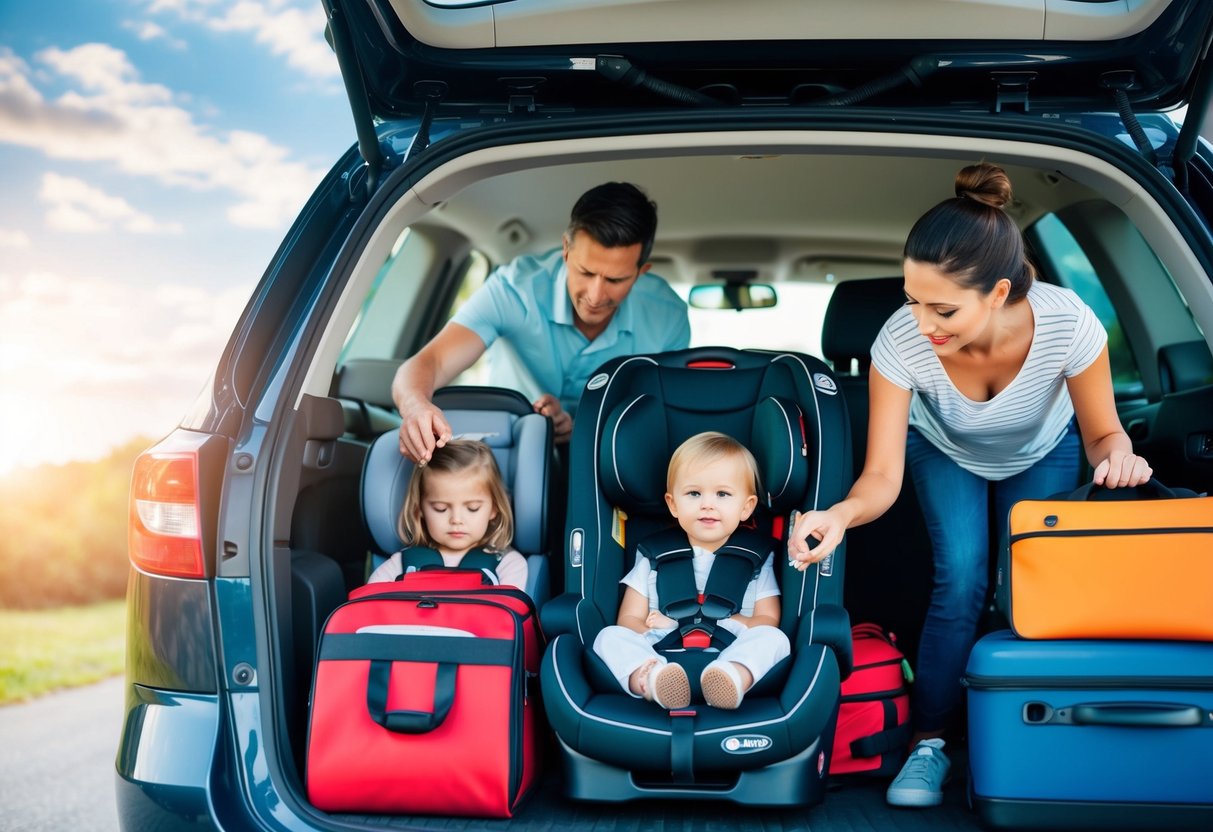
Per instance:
(826,529)
(1122,469)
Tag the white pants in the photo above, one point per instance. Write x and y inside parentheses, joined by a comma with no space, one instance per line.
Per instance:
(757,649)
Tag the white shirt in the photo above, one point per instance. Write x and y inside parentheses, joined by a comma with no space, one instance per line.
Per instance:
(1001,437)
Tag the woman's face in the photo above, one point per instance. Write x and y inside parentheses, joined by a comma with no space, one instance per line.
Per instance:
(949,315)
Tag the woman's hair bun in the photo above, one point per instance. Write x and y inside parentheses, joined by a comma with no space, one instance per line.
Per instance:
(984,183)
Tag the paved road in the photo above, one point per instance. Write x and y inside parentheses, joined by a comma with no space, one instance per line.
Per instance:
(57,761)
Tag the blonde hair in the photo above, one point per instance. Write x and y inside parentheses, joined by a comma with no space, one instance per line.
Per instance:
(459,456)
(707,447)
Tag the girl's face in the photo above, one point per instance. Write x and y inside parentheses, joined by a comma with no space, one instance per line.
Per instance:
(456,509)
(711,500)
(949,315)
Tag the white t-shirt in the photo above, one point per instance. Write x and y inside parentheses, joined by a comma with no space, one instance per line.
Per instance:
(1001,437)
(643,579)
(510,569)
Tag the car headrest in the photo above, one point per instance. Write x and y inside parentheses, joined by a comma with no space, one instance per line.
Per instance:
(854,316)
(635,448)
(522,448)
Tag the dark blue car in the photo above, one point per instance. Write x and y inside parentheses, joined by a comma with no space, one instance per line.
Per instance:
(789,146)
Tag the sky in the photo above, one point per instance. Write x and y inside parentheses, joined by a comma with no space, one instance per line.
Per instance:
(153,154)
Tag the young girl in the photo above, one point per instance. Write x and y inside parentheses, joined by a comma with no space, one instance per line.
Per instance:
(976,383)
(713,485)
(456,504)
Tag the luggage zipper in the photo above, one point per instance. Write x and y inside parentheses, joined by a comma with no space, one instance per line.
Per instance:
(1077,683)
(1111,532)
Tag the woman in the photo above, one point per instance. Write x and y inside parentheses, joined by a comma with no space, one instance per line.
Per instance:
(976,381)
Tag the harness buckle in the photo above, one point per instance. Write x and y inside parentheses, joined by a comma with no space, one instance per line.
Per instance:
(701,639)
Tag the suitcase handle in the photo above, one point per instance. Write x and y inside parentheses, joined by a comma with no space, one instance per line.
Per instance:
(409,722)
(1151,489)
(1138,714)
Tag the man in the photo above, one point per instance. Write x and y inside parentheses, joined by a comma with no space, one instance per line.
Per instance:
(563,313)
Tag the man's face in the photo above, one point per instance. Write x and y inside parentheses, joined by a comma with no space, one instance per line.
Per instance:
(599,278)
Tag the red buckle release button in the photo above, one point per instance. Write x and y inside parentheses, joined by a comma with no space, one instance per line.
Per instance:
(697,638)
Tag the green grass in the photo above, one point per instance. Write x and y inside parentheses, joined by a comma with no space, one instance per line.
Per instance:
(45,650)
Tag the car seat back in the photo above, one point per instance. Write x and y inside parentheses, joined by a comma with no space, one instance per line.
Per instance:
(521,441)
(785,407)
(895,586)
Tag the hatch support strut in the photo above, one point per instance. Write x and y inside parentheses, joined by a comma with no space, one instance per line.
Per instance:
(355,88)
(1198,108)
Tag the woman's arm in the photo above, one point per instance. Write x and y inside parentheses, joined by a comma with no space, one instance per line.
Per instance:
(1108,447)
(877,487)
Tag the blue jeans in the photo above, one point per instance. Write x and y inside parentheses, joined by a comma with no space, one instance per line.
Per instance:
(956,506)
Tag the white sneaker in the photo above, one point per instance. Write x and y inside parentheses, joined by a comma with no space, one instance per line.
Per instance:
(920,782)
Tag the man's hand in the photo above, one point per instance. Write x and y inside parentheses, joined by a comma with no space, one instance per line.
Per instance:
(423,429)
(562,423)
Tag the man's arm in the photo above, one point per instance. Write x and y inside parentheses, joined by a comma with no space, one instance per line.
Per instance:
(423,427)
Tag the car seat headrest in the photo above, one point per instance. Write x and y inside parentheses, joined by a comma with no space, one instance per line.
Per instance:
(633,455)
(779,445)
(854,316)
(635,448)
(521,447)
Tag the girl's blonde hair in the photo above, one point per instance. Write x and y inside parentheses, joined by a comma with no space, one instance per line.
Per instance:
(459,456)
(707,447)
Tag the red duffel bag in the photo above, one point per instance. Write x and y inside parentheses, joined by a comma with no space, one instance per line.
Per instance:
(874,711)
(422,703)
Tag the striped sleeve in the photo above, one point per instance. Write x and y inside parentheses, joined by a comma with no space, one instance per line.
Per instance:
(887,358)
(1088,343)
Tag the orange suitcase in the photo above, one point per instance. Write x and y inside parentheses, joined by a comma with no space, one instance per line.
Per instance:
(1112,563)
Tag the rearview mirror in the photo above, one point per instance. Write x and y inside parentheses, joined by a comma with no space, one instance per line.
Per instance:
(736,296)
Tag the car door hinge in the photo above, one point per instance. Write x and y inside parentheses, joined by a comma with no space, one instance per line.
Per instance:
(1119,82)
(1011,88)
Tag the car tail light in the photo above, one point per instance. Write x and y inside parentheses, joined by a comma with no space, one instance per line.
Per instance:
(165,529)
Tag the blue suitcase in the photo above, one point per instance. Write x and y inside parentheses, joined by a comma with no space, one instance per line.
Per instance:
(1091,734)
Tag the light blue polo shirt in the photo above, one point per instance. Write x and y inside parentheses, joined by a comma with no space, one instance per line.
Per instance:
(526,303)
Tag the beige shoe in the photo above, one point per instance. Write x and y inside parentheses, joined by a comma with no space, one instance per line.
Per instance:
(721,685)
(668,686)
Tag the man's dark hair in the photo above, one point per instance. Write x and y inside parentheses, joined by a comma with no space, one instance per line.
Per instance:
(616,214)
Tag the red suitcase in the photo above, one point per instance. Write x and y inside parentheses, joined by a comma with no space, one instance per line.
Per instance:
(422,703)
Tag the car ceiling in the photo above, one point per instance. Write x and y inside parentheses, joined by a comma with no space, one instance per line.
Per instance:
(772,213)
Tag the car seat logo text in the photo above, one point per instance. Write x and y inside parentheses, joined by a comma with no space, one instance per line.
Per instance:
(745,743)
(825,384)
(597,381)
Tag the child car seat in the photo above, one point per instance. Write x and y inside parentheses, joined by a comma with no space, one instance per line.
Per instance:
(634,412)
(521,441)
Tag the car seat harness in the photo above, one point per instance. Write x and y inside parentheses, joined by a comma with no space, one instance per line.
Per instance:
(697,613)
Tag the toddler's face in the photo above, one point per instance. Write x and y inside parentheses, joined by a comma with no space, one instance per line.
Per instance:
(711,500)
(456,510)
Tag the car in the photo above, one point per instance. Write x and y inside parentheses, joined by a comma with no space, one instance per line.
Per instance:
(789,146)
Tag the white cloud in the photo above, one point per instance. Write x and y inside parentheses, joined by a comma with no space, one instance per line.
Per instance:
(74,205)
(148,31)
(111,116)
(13,238)
(88,363)
(289,29)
